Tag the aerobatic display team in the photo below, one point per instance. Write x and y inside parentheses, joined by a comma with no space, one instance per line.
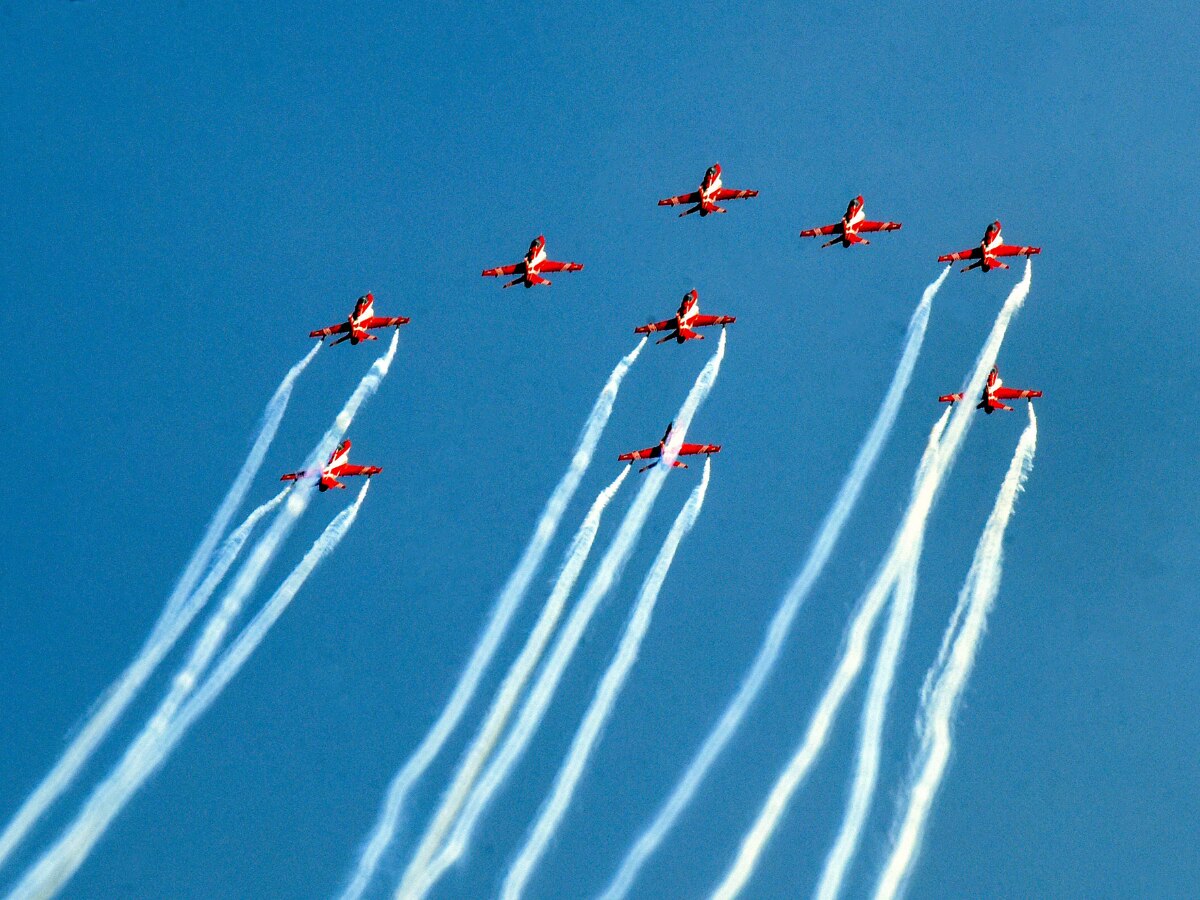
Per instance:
(227,560)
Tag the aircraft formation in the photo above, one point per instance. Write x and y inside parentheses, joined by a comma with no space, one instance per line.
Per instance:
(183,704)
(530,271)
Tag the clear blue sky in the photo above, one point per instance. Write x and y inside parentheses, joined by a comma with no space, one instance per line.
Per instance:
(189,188)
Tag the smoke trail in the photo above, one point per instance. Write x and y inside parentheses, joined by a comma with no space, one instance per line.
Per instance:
(768,654)
(605,698)
(121,692)
(506,605)
(874,712)
(941,702)
(57,865)
(506,698)
(151,748)
(908,536)
(564,646)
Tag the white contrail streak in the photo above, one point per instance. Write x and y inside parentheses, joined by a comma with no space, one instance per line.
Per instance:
(768,654)
(908,536)
(940,703)
(509,693)
(60,862)
(605,698)
(506,605)
(870,741)
(568,638)
(170,723)
(121,692)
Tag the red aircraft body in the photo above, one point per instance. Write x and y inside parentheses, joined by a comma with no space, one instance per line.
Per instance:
(848,232)
(336,468)
(656,453)
(688,318)
(528,270)
(991,247)
(710,194)
(362,318)
(993,393)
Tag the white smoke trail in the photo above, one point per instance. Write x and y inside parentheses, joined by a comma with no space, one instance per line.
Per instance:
(166,631)
(170,723)
(941,702)
(509,693)
(768,654)
(384,830)
(870,742)
(61,861)
(871,736)
(602,580)
(908,536)
(605,698)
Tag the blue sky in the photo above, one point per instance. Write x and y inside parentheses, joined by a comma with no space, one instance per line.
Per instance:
(190,188)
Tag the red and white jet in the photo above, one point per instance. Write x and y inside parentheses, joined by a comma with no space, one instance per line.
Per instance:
(993,393)
(991,247)
(688,318)
(362,318)
(528,270)
(710,194)
(336,468)
(656,453)
(849,231)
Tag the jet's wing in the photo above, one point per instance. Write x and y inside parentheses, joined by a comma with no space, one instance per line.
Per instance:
(950,398)
(293,476)
(340,328)
(1014,250)
(693,449)
(514,269)
(693,197)
(1007,393)
(823,230)
(878,226)
(552,266)
(973,253)
(384,321)
(727,194)
(655,326)
(701,321)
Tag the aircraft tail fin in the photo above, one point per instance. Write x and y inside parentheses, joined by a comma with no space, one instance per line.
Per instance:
(686,334)
(535,278)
